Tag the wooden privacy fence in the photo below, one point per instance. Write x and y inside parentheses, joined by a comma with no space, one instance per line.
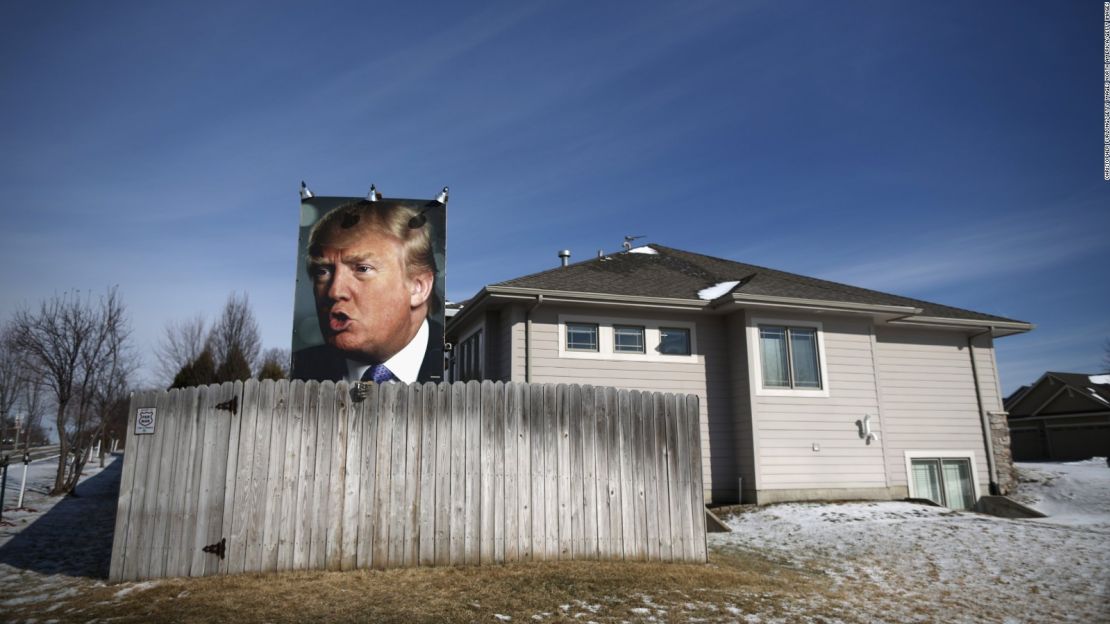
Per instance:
(271,476)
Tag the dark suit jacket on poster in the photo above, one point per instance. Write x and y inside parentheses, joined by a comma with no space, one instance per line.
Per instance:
(324,363)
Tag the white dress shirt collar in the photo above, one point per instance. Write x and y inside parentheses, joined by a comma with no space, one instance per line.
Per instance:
(405,365)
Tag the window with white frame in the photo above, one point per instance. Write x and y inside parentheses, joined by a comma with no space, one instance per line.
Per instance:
(626,338)
(789,357)
(948,478)
(946,482)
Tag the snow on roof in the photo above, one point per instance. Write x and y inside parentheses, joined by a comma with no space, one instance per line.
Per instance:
(716,290)
(1100,379)
(644,250)
(1097,395)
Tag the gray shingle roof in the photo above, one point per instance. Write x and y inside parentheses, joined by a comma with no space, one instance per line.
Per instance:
(677,274)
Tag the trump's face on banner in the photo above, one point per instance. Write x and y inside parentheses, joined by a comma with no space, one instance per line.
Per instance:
(369,304)
(370,279)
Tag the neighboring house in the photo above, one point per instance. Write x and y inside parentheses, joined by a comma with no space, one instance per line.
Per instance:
(793,372)
(1061,417)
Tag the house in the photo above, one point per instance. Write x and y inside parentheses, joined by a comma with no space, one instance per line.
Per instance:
(1061,417)
(809,389)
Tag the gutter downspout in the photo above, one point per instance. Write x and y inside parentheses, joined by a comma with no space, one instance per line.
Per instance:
(992,469)
(528,338)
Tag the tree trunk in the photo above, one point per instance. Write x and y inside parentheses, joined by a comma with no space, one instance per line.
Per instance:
(63,450)
(75,476)
(60,478)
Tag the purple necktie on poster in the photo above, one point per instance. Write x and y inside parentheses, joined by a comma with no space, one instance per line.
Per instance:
(378,373)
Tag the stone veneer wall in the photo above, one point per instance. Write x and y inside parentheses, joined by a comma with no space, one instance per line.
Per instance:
(1003,458)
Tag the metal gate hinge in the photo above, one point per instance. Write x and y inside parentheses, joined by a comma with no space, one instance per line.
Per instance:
(231,405)
(219,548)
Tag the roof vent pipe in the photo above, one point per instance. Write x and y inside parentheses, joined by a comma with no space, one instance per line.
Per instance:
(564,256)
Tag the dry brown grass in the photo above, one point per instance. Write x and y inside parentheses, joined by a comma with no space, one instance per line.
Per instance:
(597,591)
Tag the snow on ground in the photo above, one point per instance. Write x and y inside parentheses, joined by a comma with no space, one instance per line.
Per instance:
(905,562)
(54,547)
(884,561)
(1074,493)
(40,478)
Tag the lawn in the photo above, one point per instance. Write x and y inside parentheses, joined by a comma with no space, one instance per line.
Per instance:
(846,562)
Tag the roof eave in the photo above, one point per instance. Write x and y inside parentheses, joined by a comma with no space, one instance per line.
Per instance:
(997,328)
(476,302)
(895,314)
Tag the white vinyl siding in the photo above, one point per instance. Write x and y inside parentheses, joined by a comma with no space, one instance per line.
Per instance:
(787,426)
(928,395)
(741,405)
(509,320)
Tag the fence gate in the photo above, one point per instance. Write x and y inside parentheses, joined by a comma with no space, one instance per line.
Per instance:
(291,475)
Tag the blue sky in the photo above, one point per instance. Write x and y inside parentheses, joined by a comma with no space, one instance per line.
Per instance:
(948,151)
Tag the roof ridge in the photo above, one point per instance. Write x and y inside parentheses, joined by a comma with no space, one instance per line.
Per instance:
(551,270)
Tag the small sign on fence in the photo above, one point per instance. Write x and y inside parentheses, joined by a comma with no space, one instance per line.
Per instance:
(144,420)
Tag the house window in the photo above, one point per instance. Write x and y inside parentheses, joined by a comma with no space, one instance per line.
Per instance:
(947,482)
(674,340)
(582,336)
(789,357)
(628,339)
(469,357)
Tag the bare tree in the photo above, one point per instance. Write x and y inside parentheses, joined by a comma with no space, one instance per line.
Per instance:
(182,342)
(12,380)
(235,329)
(34,406)
(109,399)
(78,348)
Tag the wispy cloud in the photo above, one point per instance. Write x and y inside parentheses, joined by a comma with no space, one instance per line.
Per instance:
(949,256)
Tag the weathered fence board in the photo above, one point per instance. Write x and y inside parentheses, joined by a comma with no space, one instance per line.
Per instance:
(298,475)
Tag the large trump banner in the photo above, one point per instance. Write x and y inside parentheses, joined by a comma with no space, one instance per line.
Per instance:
(369,298)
